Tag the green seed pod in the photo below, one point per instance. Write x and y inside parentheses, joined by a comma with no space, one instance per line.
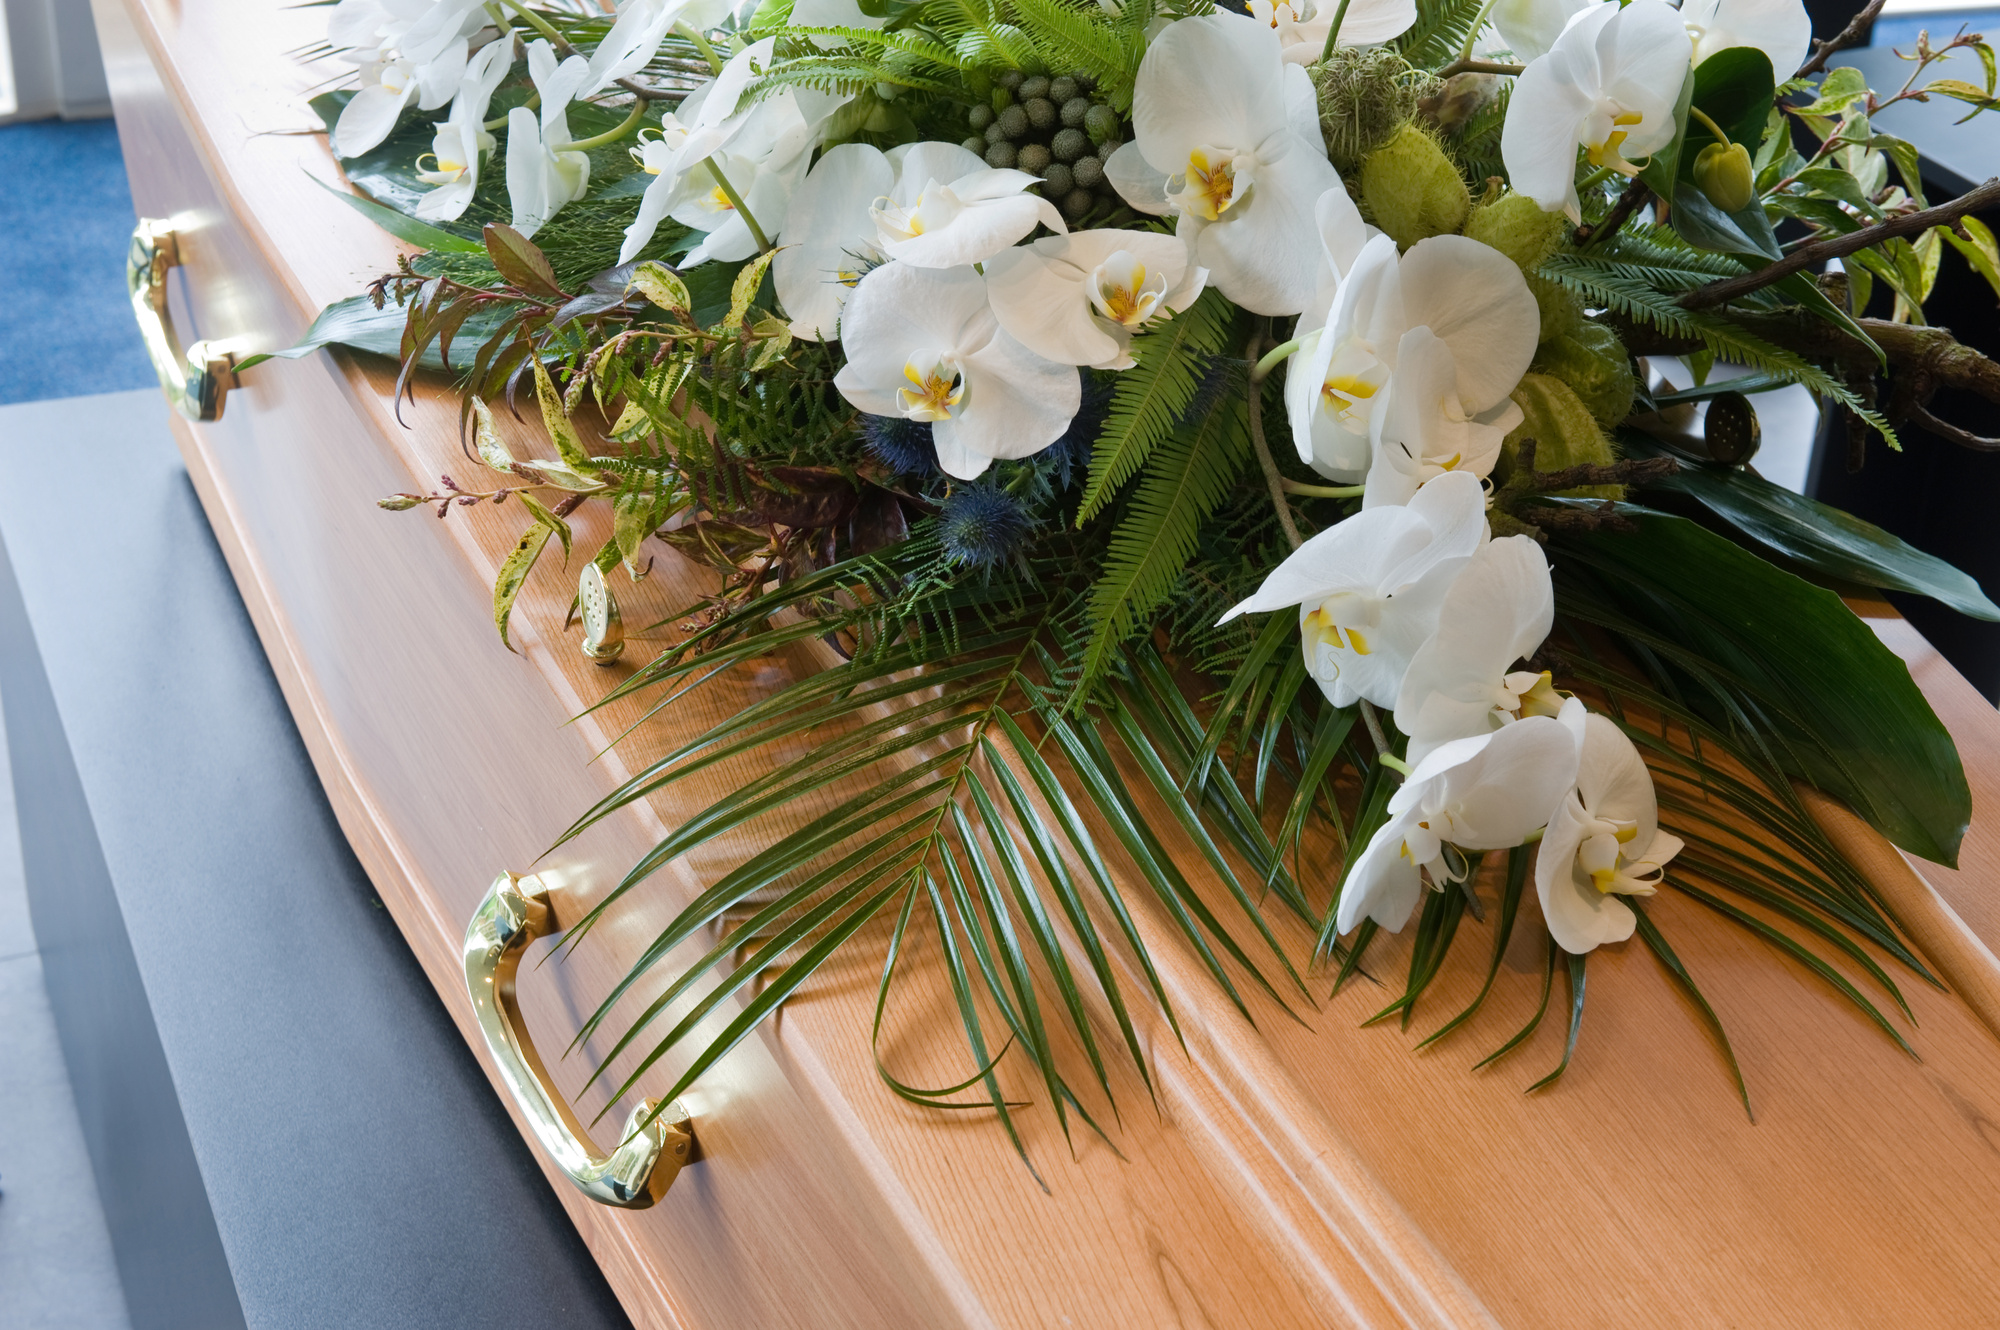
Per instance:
(1062,89)
(1561,309)
(1592,361)
(1413,189)
(1075,111)
(995,134)
(979,118)
(1041,112)
(1000,155)
(1724,173)
(1033,158)
(1515,225)
(1001,99)
(1011,80)
(1101,123)
(1365,94)
(1106,148)
(975,145)
(1070,144)
(1057,182)
(1013,122)
(1035,85)
(1078,202)
(1085,80)
(1089,172)
(1564,432)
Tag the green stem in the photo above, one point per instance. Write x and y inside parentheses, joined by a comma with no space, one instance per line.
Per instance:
(623,129)
(500,122)
(701,43)
(1273,481)
(1595,178)
(1324,491)
(1479,67)
(1472,33)
(1394,763)
(1262,368)
(1334,31)
(538,23)
(1710,125)
(736,202)
(1378,738)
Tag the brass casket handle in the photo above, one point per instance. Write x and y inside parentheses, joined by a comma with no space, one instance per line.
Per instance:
(636,1174)
(196,383)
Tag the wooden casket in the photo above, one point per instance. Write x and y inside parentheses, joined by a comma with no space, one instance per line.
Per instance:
(1290,1172)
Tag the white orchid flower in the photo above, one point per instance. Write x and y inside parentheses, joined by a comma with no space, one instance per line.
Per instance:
(764,164)
(1226,136)
(706,123)
(636,35)
(1529,28)
(829,237)
(1462,682)
(1489,792)
(1369,589)
(1078,298)
(1609,84)
(1781,29)
(1604,840)
(922,343)
(542,173)
(932,225)
(462,139)
(1302,25)
(1417,359)
(412,54)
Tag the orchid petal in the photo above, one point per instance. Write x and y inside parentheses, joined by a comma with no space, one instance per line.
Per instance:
(1233,61)
(1475,299)
(368,118)
(828,237)
(1137,181)
(1499,610)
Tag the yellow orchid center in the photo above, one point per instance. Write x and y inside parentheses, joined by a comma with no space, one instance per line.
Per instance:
(1216,180)
(1605,152)
(937,388)
(1125,291)
(1541,698)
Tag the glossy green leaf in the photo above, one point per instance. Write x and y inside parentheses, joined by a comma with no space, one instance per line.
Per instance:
(403,226)
(1821,537)
(1733,87)
(1663,169)
(1840,706)
(356,324)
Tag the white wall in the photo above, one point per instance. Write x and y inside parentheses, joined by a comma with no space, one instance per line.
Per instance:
(49,50)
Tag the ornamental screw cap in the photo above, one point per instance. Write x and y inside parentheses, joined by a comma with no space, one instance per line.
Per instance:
(603,628)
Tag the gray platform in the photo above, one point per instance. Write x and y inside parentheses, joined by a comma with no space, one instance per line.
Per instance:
(284,1127)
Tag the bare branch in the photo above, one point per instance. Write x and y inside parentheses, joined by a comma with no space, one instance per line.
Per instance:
(1833,247)
(1850,35)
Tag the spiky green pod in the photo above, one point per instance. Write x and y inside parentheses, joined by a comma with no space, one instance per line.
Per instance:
(1593,362)
(1412,189)
(1564,431)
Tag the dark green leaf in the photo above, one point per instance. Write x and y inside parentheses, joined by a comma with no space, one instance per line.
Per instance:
(1842,705)
(1823,538)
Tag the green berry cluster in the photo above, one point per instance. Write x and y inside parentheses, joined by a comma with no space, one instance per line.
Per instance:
(1053,128)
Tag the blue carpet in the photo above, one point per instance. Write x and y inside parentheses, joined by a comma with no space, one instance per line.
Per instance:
(65,222)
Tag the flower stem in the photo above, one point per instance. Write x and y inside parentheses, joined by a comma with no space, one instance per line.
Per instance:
(539,24)
(1323,491)
(736,202)
(1709,125)
(1381,740)
(1281,351)
(701,44)
(1479,67)
(623,130)
(1254,400)
(500,122)
(1334,31)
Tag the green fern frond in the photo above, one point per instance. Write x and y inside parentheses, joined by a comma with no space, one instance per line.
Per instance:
(1439,32)
(1083,37)
(1186,479)
(1154,394)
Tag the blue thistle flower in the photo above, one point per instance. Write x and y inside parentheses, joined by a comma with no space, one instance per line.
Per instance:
(982,525)
(904,446)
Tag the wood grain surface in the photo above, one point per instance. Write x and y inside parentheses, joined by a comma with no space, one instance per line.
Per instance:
(1298,1171)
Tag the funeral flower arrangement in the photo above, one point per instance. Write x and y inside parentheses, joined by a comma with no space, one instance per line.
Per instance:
(1208,455)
